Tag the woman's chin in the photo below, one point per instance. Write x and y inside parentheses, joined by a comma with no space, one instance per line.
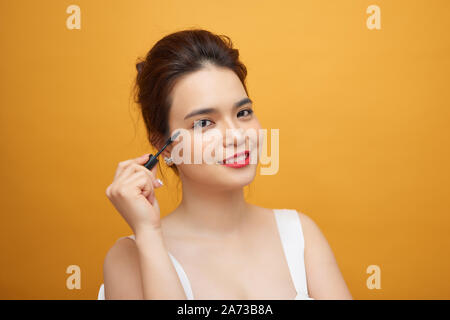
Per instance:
(237,177)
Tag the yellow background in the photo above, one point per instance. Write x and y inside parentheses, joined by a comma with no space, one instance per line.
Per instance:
(363,116)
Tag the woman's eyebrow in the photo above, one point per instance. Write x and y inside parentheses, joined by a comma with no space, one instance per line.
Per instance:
(212,110)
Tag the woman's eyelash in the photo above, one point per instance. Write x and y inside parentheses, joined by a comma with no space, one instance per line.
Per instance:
(199,121)
(250,111)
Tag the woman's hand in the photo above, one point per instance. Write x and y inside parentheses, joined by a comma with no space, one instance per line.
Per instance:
(132,194)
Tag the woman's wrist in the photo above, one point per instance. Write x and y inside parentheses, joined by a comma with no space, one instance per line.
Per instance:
(147,234)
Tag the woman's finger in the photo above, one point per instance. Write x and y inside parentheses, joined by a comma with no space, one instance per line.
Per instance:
(141,180)
(124,164)
(133,169)
(158,182)
(129,171)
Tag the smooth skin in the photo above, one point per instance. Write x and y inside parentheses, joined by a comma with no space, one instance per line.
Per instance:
(229,249)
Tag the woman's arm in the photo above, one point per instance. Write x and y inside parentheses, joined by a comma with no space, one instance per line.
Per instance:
(141,269)
(324,278)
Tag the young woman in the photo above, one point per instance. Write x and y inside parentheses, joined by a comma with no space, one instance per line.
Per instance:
(214,245)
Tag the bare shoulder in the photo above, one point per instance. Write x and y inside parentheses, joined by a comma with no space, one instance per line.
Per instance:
(124,247)
(314,238)
(121,271)
(324,277)
(312,233)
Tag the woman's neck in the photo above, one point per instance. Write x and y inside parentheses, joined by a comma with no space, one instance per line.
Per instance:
(212,213)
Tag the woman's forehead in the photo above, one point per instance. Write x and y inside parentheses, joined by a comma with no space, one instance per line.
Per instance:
(206,88)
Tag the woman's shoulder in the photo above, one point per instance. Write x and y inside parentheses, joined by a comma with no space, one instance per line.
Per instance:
(121,270)
(123,248)
(122,255)
(310,229)
(325,280)
(306,221)
(304,218)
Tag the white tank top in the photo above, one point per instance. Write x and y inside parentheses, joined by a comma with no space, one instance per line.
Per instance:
(291,235)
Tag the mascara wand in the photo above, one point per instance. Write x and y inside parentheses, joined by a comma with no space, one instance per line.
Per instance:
(154,158)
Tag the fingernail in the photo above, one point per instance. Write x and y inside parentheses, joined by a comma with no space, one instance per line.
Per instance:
(160,182)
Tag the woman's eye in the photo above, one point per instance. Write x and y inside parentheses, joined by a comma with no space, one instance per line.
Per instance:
(200,123)
(250,111)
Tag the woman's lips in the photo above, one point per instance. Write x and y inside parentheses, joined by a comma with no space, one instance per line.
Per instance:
(239,160)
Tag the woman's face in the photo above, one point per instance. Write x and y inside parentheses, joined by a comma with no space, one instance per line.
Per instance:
(226,111)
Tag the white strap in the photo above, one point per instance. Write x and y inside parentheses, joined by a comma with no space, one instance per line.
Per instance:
(183,278)
(291,234)
(101,293)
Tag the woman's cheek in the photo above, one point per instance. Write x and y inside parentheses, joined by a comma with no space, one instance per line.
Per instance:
(212,143)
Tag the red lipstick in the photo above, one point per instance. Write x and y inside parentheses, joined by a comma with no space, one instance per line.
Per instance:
(233,162)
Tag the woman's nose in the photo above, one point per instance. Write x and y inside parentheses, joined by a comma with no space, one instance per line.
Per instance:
(233,135)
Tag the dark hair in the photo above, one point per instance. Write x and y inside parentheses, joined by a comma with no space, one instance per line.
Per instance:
(171,57)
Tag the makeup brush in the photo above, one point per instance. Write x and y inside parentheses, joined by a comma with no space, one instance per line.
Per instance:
(154,158)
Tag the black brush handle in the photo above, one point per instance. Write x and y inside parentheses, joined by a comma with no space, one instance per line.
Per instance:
(152,161)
